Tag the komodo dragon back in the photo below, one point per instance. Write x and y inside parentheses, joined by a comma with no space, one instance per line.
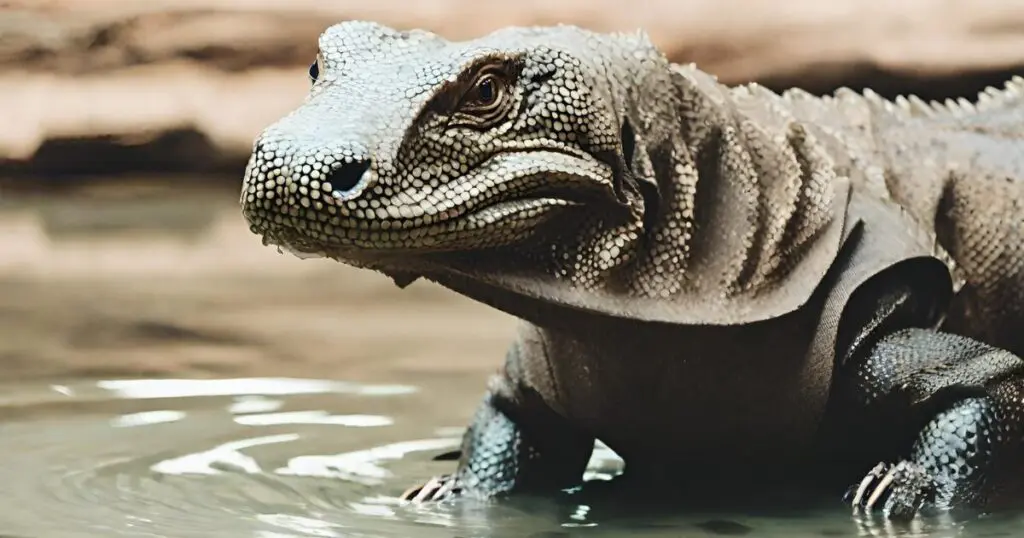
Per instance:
(957,169)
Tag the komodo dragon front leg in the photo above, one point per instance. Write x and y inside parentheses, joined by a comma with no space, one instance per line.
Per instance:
(943,411)
(515,443)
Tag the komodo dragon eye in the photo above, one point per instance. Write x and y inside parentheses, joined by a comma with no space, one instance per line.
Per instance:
(487,90)
(486,98)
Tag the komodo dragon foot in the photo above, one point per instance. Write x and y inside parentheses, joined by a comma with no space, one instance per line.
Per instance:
(949,463)
(900,490)
(436,489)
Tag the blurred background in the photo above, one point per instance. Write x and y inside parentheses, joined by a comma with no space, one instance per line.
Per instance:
(126,126)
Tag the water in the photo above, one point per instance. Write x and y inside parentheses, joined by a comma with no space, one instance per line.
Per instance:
(164,375)
(290,457)
(260,457)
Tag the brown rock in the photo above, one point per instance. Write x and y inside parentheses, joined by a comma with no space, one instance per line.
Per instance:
(104,85)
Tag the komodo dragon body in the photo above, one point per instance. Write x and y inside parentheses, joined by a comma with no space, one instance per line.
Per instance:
(719,283)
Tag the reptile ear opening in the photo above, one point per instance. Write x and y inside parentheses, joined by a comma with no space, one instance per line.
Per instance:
(628,140)
(648,189)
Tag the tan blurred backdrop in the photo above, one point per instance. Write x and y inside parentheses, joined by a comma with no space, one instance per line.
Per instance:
(126,125)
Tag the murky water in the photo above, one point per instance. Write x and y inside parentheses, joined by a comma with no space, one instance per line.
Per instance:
(166,376)
(289,457)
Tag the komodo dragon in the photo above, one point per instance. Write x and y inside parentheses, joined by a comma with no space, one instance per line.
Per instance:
(724,285)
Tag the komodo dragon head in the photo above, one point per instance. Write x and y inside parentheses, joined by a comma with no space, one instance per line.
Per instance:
(550,162)
(410,145)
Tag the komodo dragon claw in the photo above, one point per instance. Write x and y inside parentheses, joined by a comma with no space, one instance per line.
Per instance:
(899,490)
(436,489)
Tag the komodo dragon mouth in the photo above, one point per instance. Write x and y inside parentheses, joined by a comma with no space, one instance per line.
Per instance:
(480,209)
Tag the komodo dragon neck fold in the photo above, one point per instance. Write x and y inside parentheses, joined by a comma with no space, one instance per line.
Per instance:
(725,199)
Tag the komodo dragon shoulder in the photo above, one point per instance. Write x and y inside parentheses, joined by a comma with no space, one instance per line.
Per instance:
(721,283)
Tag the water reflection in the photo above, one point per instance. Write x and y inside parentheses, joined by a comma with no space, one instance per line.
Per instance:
(362,466)
(254,404)
(216,460)
(303,525)
(146,417)
(190,388)
(315,417)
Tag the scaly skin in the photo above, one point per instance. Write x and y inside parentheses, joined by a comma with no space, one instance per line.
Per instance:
(722,284)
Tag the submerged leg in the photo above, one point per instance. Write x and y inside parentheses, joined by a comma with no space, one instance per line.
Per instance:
(515,443)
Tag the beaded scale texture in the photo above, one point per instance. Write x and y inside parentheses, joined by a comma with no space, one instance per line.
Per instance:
(557,173)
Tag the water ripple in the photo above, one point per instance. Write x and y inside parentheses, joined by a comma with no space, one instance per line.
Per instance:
(362,466)
(183,388)
(290,458)
(116,465)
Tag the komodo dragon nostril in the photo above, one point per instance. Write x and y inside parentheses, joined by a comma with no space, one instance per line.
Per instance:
(346,178)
